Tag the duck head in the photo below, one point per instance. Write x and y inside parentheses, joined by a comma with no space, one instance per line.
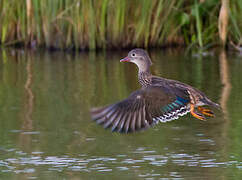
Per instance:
(139,57)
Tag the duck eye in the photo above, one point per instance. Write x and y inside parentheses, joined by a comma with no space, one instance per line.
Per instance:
(133,55)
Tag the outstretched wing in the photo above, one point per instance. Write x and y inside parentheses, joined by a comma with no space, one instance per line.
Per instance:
(142,109)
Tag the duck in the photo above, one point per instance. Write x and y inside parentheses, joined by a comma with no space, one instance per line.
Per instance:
(158,100)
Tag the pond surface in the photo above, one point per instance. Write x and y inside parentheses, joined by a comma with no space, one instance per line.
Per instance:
(46,131)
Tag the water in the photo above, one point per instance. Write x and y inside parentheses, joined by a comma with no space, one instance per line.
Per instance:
(46,131)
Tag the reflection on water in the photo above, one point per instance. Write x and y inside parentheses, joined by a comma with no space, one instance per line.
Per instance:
(46,131)
(225,80)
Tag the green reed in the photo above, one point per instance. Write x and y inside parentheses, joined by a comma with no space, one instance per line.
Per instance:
(91,24)
(236,23)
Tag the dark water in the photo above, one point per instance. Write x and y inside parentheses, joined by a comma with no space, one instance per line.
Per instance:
(46,131)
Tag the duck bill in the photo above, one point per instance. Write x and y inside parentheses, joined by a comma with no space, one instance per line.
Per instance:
(126,59)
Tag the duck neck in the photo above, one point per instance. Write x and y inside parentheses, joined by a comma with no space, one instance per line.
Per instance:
(144,78)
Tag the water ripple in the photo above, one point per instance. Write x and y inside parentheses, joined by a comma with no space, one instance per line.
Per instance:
(137,159)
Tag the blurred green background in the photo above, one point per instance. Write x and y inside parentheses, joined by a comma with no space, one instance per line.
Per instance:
(91,24)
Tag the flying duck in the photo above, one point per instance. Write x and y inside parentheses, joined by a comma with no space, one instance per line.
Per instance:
(158,100)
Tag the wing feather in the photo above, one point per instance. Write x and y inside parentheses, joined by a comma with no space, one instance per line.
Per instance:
(127,122)
(121,123)
(138,120)
(142,109)
(111,119)
(117,120)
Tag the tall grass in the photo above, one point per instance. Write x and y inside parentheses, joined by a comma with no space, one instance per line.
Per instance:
(235,28)
(90,24)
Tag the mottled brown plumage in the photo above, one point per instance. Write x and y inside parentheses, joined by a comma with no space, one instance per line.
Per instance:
(158,100)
